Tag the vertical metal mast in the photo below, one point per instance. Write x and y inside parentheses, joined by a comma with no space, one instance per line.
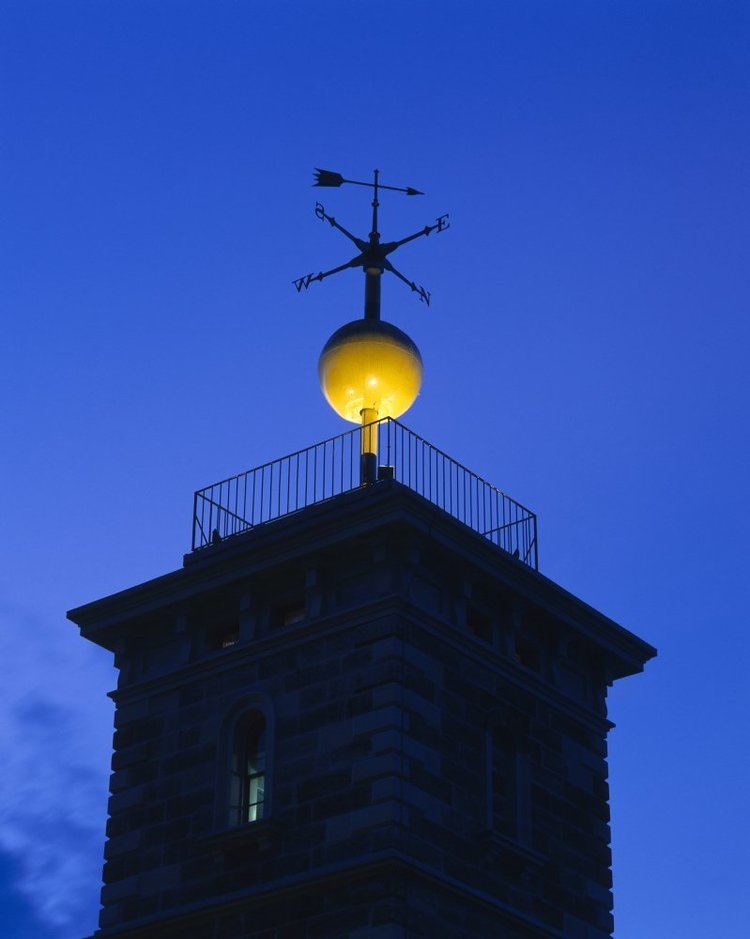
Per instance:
(373,274)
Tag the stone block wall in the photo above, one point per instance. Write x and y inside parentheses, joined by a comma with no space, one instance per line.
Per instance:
(382,699)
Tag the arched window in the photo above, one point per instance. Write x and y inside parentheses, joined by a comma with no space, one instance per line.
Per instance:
(247,784)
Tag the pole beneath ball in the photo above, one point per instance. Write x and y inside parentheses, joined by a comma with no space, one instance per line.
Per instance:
(369,448)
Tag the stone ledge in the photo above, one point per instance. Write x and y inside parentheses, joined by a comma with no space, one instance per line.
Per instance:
(378,864)
(259,836)
(512,852)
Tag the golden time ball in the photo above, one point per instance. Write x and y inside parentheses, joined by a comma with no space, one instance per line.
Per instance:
(370,365)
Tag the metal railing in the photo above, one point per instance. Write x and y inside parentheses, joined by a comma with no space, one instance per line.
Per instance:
(335,466)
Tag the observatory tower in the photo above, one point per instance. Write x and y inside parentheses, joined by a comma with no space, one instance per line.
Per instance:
(358,709)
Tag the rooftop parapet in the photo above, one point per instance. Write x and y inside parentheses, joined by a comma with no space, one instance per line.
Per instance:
(342,463)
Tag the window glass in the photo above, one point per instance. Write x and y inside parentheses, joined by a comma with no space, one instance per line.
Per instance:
(229,638)
(248,770)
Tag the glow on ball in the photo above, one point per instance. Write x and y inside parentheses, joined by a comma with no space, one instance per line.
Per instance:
(369,365)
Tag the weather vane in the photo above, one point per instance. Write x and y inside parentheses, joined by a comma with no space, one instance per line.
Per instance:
(370,371)
(373,254)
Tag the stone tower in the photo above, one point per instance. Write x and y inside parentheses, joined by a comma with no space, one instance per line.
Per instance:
(362,718)
(358,710)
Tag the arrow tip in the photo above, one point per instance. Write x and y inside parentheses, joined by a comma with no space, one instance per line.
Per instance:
(413,192)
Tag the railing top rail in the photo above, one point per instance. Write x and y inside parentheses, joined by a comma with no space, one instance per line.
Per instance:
(340,464)
(350,433)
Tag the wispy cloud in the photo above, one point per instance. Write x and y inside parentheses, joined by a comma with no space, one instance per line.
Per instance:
(55,738)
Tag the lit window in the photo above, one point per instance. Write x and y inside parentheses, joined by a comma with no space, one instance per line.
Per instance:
(248,779)
(229,638)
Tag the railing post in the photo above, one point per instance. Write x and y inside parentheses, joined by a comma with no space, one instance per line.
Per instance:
(195,515)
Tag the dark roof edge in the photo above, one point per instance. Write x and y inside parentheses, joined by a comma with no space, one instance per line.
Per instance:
(355,512)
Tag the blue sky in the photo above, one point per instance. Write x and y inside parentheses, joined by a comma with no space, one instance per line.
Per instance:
(586,350)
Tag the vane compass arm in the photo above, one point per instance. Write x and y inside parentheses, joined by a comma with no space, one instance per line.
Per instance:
(440,225)
(373,253)
(342,267)
(305,281)
(321,213)
(424,295)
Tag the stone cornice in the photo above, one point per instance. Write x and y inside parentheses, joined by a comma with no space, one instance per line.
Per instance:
(357,514)
(376,864)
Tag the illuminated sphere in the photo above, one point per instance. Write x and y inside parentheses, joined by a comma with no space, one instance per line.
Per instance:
(369,364)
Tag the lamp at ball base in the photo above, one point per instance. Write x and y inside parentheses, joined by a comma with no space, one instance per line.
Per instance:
(370,370)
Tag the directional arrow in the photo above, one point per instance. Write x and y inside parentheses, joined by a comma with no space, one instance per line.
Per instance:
(329,178)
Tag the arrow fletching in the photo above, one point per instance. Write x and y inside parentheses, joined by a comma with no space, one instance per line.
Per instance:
(327,178)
